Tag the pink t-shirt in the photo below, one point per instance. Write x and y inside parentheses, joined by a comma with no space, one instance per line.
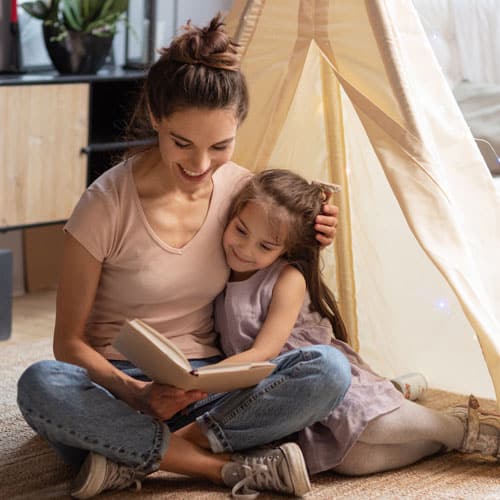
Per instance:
(171,289)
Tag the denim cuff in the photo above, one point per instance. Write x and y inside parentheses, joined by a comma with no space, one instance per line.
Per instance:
(158,450)
(214,434)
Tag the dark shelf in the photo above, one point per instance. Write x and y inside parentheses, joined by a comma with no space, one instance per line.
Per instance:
(102,156)
(103,147)
(6,229)
(108,73)
(111,103)
(100,161)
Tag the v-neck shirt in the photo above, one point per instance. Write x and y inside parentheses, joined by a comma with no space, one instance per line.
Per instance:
(171,289)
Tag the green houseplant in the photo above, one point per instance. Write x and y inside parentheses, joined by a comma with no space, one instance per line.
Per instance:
(78,34)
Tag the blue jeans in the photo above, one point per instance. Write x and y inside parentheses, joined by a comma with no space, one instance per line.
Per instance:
(76,415)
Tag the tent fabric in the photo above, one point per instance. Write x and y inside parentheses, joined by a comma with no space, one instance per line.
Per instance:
(350,91)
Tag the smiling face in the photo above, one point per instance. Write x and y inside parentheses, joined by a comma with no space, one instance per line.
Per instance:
(251,242)
(194,143)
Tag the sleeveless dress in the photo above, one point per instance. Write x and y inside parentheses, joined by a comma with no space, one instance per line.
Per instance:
(241,309)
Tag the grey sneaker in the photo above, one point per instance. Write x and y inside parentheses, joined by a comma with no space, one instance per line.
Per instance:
(98,474)
(279,469)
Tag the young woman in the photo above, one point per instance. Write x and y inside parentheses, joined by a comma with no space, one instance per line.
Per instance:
(145,241)
(276,301)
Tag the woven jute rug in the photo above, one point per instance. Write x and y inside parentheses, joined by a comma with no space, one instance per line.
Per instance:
(29,469)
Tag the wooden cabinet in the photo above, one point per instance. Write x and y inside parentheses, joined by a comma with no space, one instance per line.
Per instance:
(42,172)
(57,134)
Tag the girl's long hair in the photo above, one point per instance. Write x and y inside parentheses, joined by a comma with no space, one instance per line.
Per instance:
(288,198)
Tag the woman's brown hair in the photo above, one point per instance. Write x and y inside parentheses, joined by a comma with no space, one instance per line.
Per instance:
(289,198)
(200,69)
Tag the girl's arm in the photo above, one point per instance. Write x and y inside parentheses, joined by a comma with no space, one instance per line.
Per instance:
(288,296)
(78,283)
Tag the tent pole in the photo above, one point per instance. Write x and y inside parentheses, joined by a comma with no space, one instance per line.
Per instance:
(334,139)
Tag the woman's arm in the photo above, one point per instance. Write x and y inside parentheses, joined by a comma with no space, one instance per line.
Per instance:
(288,296)
(80,275)
(326,224)
(78,283)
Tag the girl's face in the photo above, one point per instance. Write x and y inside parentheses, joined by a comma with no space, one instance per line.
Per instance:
(251,242)
(194,143)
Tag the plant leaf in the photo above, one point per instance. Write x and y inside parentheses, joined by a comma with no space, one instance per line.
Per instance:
(54,10)
(85,9)
(105,26)
(92,10)
(36,9)
(91,16)
(72,14)
(114,7)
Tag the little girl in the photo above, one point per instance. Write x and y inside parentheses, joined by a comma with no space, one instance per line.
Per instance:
(276,300)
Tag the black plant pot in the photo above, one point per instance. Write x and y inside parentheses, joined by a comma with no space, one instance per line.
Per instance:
(77,53)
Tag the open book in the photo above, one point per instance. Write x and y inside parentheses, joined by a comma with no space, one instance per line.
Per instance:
(165,363)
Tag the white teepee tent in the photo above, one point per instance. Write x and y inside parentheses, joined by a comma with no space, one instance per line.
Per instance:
(350,91)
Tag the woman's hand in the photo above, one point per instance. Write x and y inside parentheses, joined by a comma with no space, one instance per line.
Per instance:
(164,401)
(326,224)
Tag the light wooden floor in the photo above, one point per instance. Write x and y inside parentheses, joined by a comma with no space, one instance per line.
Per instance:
(33,315)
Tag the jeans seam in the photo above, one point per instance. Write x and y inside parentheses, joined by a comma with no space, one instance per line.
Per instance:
(151,459)
(304,355)
(214,422)
(245,404)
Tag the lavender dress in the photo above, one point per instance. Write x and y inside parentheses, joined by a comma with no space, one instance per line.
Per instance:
(241,309)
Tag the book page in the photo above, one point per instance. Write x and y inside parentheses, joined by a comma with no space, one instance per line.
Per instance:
(162,342)
(163,362)
(213,378)
(234,367)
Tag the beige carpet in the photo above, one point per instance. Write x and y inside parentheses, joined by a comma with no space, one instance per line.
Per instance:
(30,470)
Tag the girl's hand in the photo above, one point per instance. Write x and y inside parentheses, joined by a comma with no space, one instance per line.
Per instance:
(326,224)
(164,401)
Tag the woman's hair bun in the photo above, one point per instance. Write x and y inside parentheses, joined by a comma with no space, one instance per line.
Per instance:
(210,46)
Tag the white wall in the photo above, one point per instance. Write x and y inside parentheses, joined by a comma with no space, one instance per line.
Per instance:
(171,14)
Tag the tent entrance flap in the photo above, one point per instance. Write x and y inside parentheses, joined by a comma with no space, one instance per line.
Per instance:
(413,266)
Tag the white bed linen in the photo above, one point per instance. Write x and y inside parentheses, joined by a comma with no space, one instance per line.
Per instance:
(465,37)
(480,105)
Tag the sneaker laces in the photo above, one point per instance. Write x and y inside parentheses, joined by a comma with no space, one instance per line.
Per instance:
(119,477)
(260,473)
